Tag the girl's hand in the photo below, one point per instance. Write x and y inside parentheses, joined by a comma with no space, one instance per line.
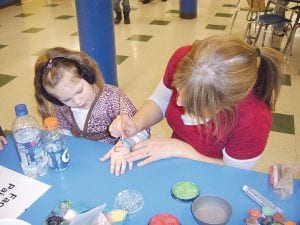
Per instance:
(2,141)
(155,149)
(117,161)
(122,125)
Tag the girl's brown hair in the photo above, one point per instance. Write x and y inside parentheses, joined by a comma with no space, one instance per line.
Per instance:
(50,68)
(220,71)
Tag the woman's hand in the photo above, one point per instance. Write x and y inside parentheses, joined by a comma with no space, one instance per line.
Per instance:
(155,149)
(2,141)
(123,125)
(117,161)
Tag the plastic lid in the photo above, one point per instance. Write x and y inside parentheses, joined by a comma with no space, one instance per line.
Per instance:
(130,200)
(164,218)
(51,123)
(21,110)
(185,191)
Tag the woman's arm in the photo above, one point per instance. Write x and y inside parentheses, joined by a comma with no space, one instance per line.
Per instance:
(151,113)
(156,149)
(154,109)
(147,116)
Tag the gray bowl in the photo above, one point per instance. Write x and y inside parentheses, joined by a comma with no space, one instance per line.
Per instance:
(211,210)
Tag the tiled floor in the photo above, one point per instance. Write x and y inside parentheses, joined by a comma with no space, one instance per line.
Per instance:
(142,49)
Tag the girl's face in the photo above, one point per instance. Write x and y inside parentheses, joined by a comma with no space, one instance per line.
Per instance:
(73,92)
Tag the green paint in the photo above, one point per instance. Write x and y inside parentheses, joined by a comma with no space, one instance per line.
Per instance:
(185,190)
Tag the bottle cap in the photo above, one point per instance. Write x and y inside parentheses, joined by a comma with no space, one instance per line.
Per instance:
(185,191)
(130,200)
(51,123)
(21,110)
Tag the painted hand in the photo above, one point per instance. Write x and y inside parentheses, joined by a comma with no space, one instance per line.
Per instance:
(117,161)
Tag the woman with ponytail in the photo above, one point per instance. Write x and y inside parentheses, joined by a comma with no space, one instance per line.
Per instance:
(217,96)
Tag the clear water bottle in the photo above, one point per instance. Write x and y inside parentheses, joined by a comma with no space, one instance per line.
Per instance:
(55,145)
(28,138)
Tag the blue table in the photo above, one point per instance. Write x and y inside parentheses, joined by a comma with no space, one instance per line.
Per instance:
(88,181)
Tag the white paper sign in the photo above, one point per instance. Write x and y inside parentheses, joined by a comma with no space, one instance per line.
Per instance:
(18,192)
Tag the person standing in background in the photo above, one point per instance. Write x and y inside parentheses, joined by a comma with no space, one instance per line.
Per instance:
(118,11)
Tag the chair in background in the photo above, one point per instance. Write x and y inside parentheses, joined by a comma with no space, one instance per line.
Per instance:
(253,9)
(289,44)
(257,7)
(268,19)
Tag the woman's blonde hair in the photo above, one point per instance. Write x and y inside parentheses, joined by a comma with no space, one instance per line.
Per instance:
(51,66)
(220,71)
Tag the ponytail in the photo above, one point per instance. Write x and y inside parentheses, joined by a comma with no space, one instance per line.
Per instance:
(269,72)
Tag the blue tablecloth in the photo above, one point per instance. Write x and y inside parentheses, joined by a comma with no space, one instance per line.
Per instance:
(89,182)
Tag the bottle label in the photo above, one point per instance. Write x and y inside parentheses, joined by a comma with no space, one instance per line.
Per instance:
(58,155)
(31,153)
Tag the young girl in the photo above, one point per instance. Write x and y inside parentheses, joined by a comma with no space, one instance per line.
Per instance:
(217,96)
(70,86)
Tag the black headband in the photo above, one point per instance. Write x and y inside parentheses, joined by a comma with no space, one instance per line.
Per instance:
(84,71)
(46,68)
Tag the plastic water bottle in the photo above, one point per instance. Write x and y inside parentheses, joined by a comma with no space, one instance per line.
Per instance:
(28,138)
(55,145)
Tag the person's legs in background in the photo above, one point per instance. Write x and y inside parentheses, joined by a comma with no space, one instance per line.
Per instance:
(118,11)
(126,11)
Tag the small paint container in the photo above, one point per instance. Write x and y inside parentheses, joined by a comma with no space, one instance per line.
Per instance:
(117,216)
(211,210)
(129,200)
(164,218)
(185,191)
